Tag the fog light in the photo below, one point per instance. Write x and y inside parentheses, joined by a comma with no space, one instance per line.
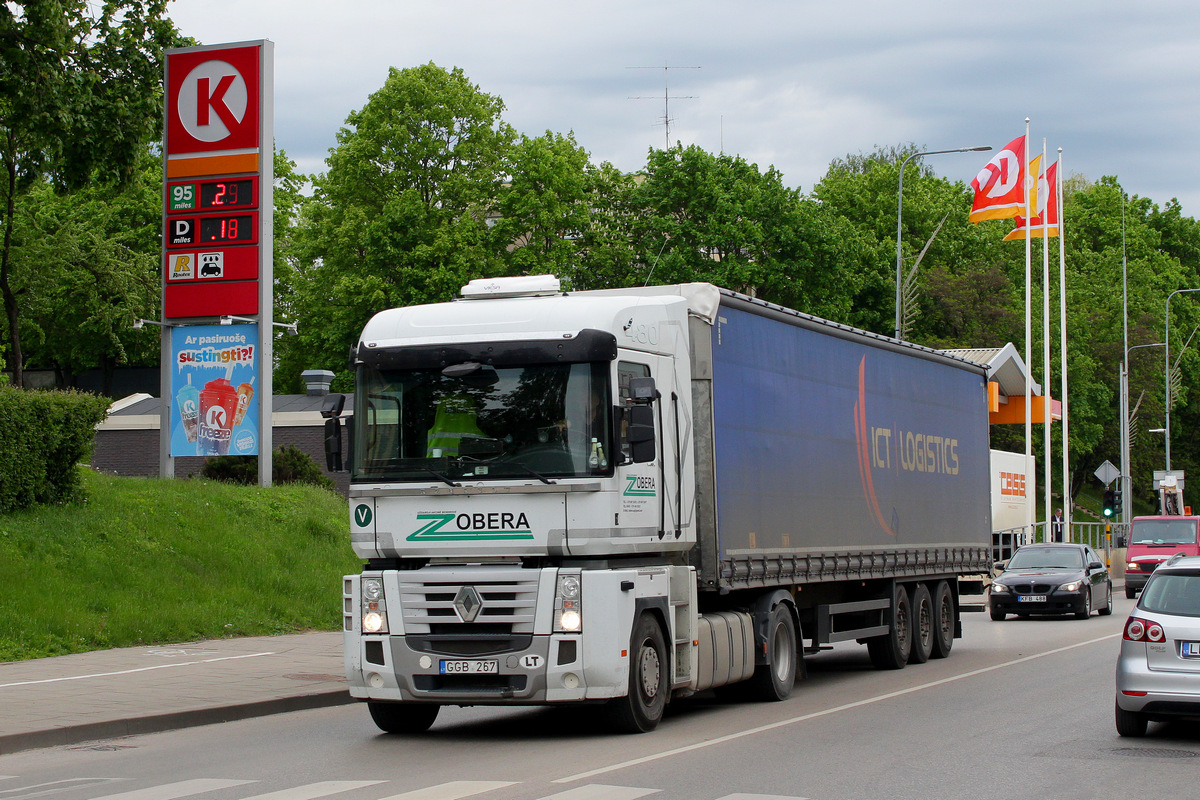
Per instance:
(571,680)
(376,680)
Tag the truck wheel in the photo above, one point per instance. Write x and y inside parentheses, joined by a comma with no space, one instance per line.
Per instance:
(403,717)
(640,710)
(943,620)
(922,624)
(891,650)
(1130,592)
(773,681)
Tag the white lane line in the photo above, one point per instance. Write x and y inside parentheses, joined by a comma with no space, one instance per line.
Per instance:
(454,790)
(816,714)
(311,791)
(53,787)
(171,791)
(598,791)
(744,796)
(131,671)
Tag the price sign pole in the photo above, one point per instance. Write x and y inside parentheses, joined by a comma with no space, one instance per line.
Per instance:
(218,234)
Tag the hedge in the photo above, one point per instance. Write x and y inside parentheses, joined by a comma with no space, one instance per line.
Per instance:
(43,435)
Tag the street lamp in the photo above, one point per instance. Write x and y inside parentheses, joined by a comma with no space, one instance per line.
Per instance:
(1167,377)
(1123,385)
(900,208)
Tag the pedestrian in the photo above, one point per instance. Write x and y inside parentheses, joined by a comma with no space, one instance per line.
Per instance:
(1056,525)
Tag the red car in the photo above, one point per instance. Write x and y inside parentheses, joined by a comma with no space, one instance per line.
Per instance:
(1152,540)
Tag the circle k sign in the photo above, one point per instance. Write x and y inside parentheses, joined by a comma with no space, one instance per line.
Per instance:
(213,100)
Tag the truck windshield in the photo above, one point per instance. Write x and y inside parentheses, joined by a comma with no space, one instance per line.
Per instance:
(1163,531)
(472,421)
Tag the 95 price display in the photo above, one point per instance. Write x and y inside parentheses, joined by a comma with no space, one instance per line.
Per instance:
(227,229)
(213,195)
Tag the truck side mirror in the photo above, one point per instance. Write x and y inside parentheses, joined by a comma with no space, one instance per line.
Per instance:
(641,390)
(640,434)
(331,410)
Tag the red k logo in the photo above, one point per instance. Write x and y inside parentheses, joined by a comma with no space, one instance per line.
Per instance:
(213,100)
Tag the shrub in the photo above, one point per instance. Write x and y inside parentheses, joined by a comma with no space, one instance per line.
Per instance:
(289,464)
(43,435)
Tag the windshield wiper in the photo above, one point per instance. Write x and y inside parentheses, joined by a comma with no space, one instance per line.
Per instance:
(535,474)
(440,476)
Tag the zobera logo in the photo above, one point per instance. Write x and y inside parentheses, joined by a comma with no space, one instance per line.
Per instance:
(639,486)
(495,525)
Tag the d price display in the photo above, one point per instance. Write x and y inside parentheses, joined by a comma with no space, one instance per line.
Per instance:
(212,229)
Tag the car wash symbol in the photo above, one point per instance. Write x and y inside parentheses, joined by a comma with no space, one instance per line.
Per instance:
(212,265)
(212,101)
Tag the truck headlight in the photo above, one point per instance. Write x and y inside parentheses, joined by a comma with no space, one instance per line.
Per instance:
(374,606)
(568,603)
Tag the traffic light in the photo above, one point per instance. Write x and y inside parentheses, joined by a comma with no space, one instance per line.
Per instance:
(1116,506)
(1110,502)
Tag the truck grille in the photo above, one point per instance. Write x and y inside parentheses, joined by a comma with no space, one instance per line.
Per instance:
(507,602)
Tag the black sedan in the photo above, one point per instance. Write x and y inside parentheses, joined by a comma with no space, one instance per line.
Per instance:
(1052,579)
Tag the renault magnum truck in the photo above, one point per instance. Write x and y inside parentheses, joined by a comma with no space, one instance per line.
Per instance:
(624,497)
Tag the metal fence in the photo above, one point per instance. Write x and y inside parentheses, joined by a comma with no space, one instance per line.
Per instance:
(1095,534)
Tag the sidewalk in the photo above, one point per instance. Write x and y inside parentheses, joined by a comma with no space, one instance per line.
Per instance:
(49,702)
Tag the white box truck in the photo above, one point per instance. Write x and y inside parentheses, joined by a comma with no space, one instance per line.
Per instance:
(628,496)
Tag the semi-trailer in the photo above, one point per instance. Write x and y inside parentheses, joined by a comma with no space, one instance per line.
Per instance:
(628,496)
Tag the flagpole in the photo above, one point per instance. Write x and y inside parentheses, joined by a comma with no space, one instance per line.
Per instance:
(1028,337)
(1046,460)
(1062,344)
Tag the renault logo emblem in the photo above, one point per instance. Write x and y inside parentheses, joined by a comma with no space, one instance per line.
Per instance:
(467,603)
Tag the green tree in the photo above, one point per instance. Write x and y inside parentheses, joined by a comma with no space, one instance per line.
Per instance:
(400,217)
(80,97)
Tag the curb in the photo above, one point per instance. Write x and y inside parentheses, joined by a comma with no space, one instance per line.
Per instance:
(157,723)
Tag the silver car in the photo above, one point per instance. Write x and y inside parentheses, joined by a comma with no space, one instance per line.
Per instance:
(1158,671)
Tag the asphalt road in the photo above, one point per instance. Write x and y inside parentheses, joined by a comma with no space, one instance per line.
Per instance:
(1021,708)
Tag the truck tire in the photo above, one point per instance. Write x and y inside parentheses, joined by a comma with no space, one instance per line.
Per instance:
(641,709)
(944,621)
(922,624)
(1130,592)
(402,717)
(891,650)
(773,681)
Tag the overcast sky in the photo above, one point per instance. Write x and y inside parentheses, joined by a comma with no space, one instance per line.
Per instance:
(792,84)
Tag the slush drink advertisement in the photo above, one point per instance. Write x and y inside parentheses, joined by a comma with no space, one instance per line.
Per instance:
(213,408)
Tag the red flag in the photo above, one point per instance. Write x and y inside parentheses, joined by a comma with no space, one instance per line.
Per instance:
(1045,223)
(1000,186)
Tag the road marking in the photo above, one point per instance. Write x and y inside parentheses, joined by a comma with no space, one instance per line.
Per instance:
(744,796)
(816,714)
(132,671)
(311,791)
(451,791)
(52,787)
(598,791)
(171,791)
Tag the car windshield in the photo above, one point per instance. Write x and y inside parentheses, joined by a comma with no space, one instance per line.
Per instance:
(478,422)
(1172,593)
(1046,558)
(1163,531)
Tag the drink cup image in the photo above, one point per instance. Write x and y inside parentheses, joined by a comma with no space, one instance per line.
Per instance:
(245,392)
(188,400)
(218,406)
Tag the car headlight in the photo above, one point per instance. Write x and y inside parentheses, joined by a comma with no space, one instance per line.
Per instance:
(1073,586)
(999,588)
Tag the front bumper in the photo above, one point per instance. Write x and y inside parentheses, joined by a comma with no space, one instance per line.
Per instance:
(1057,602)
(1136,580)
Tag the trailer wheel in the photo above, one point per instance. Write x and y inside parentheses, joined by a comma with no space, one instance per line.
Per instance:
(891,650)
(773,681)
(943,620)
(922,624)
(403,717)
(641,709)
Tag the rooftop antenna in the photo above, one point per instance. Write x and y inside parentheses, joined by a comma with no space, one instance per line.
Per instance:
(666,98)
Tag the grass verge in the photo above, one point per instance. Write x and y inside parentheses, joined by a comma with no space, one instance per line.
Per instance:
(146,561)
